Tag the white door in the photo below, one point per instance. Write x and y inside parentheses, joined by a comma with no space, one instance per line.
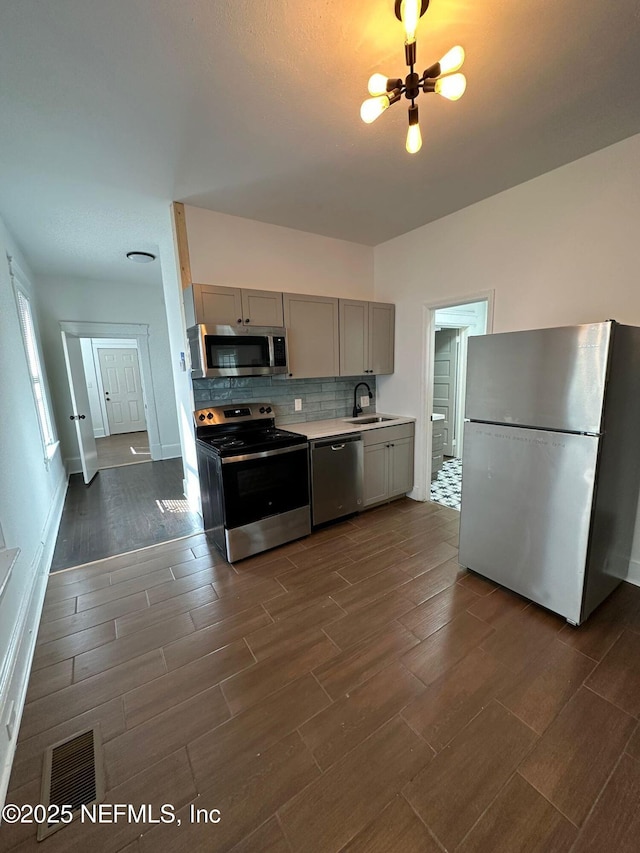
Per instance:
(444,384)
(120,373)
(80,413)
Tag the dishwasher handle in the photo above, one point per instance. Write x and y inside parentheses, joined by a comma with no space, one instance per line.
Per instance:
(336,442)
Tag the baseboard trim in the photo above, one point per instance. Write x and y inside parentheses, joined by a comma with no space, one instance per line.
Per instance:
(14,676)
(171,451)
(634,572)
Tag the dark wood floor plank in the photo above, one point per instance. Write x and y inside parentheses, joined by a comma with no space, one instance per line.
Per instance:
(132,646)
(358,595)
(121,590)
(429,548)
(596,636)
(162,693)
(545,686)
(438,609)
(442,650)
(216,636)
(137,748)
(633,747)
(453,700)
(49,679)
(77,588)
(576,754)
(138,621)
(246,794)
(89,618)
(463,779)
(73,644)
(617,676)
(520,820)
(369,566)
(519,640)
(174,588)
(58,609)
(284,634)
(430,583)
(298,599)
(614,823)
(396,828)
(257,729)
(148,567)
(256,682)
(361,661)
(43,714)
(348,721)
(200,564)
(367,621)
(267,839)
(345,799)
(498,607)
(476,583)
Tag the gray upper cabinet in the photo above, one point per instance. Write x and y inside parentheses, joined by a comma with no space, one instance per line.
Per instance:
(367,334)
(215,305)
(312,335)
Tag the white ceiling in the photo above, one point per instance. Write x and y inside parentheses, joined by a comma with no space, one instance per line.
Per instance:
(109,109)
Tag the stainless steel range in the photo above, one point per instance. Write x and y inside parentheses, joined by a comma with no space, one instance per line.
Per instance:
(254,479)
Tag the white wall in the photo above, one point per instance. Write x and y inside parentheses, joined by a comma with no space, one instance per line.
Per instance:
(31,497)
(558,250)
(107,302)
(232,251)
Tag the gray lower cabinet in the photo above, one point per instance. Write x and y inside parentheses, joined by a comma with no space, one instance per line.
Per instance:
(437,448)
(388,463)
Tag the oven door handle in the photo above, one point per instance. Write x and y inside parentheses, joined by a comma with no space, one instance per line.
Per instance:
(247,457)
(338,446)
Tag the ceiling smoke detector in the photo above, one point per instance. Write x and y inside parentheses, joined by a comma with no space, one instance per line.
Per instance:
(141,257)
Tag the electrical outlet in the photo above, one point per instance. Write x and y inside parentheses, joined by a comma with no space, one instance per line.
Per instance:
(297,405)
(365,401)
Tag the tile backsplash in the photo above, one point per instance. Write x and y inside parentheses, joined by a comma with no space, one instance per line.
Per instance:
(330,397)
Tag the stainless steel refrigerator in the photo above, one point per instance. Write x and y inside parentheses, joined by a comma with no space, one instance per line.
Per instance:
(551,462)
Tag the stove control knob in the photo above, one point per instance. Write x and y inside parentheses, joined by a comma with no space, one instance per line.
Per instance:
(269,410)
(210,416)
(200,417)
(262,410)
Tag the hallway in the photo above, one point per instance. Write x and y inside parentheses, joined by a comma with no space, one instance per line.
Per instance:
(121,510)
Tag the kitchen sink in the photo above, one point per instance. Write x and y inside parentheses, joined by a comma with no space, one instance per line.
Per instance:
(368,420)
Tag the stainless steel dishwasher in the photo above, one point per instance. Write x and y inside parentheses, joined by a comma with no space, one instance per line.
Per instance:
(336,477)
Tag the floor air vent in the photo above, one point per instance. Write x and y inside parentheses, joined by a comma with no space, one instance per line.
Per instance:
(72,776)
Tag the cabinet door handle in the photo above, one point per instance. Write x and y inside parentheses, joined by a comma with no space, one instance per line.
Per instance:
(337,446)
(239,319)
(392,445)
(247,320)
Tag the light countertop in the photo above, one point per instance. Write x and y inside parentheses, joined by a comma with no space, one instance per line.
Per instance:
(339,426)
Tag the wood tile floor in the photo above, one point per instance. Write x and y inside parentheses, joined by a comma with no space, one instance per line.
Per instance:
(127,448)
(356,691)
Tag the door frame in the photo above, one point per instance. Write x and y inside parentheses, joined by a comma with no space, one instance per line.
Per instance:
(109,343)
(139,332)
(428,344)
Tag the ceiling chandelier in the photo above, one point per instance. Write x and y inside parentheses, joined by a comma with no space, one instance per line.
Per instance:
(437,78)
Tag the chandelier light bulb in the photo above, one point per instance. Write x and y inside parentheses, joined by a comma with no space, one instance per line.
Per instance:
(377,84)
(451,87)
(452,60)
(373,107)
(414,139)
(410,14)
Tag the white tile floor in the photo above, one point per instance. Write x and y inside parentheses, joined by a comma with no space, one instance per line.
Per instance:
(447,487)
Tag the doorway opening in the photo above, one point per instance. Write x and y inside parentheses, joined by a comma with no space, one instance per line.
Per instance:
(117,401)
(449,327)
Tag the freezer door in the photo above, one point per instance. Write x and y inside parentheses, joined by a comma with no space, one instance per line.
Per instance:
(526,511)
(547,378)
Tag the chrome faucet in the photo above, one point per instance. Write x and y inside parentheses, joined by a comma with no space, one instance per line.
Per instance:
(357,410)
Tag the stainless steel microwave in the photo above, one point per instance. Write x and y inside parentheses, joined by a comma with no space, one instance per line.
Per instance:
(237,351)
